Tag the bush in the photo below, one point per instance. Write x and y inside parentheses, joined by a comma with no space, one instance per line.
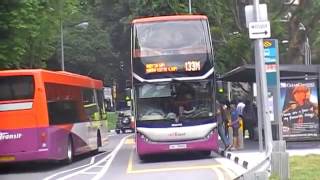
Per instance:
(112,118)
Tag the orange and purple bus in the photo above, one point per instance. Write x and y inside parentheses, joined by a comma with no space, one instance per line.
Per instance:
(46,115)
(173,85)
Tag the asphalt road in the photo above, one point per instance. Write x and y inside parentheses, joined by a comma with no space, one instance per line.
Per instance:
(118,161)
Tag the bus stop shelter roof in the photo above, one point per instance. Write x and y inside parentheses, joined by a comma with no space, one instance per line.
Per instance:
(246,73)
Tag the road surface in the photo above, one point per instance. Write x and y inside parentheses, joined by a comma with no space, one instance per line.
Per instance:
(118,161)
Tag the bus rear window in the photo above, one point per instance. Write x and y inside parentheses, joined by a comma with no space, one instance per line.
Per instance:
(16,88)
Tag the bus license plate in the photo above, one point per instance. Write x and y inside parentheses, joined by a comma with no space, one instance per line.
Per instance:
(7,158)
(178,146)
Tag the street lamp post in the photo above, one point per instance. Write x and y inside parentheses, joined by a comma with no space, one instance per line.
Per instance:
(83,25)
(307,49)
(62,45)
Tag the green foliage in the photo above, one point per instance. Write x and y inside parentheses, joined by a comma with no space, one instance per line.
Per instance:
(30,28)
(228,33)
(30,32)
(112,118)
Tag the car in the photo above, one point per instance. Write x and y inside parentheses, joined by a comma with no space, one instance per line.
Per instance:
(124,123)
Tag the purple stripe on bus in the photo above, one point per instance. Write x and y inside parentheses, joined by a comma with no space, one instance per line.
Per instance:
(26,145)
(144,148)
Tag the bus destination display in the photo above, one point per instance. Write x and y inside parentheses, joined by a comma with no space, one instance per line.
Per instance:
(189,66)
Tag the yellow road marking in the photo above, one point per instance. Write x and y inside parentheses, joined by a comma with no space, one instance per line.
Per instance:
(130,141)
(130,169)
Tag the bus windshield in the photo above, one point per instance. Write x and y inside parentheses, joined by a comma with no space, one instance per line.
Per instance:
(172,37)
(168,49)
(16,88)
(175,100)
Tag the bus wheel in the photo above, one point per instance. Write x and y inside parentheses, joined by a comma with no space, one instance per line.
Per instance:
(118,131)
(70,151)
(142,157)
(206,153)
(99,143)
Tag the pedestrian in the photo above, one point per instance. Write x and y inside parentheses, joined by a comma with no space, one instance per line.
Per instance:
(240,108)
(250,117)
(221,119)
(227,113)
(235,124)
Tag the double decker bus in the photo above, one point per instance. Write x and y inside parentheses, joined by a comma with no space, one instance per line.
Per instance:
(173,85)
(46,115)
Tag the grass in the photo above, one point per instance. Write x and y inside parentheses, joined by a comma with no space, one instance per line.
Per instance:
(303,168)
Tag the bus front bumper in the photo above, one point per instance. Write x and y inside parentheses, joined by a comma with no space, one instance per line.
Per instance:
(148,147)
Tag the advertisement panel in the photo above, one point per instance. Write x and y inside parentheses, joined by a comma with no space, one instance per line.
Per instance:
(299,102)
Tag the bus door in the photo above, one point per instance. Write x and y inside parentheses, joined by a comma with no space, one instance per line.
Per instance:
(18,126)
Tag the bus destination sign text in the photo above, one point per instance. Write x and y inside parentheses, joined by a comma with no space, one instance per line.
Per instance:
(160,68)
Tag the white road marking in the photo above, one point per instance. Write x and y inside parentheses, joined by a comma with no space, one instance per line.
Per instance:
(108,159)
(231,167)
(113,155)
(99,166)
(85,169)
(231,174)
(218,173)
(89,173)
(69,170)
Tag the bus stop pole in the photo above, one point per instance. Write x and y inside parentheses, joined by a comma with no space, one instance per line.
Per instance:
(259,112)
(259,63)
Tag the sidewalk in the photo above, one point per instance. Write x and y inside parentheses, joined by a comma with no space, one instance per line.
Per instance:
(250,156)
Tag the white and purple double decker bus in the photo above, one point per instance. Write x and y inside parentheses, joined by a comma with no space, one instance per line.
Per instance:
(173,85)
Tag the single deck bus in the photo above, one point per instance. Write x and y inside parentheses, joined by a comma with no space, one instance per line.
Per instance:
(46,115)
(173,85)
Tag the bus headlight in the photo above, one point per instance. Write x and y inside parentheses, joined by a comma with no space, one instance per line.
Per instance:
(143,137)
(211,133)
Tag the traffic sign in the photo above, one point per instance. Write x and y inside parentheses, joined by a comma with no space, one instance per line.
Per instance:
(250,16)
(259,30)
(270,50)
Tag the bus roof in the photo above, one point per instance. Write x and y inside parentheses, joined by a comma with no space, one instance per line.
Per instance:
(59,77)
(169,18)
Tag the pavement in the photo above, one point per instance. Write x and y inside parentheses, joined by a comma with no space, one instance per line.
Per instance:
(250,156)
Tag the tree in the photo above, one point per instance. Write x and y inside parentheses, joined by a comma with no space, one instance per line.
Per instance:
(29,31)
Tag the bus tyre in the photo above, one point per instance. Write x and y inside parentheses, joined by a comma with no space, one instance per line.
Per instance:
(142,157)
(118,131)
(206,153)
(70,151)
(99,141)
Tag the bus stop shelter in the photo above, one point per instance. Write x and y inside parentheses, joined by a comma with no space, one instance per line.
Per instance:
(300,119)
(246,73)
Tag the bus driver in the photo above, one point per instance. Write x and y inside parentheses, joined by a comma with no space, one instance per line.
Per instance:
(186,95)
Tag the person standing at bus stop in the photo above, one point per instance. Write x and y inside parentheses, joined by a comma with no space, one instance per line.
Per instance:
(221,118)
(235,124)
